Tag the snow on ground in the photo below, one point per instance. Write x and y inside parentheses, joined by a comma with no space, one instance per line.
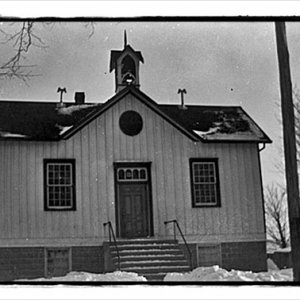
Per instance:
(85,276)
(271,265)
(215,273)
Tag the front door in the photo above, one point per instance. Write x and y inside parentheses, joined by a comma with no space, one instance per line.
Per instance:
(133,201)
(133,210)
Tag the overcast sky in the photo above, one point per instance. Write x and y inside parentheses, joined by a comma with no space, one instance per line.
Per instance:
(222,63)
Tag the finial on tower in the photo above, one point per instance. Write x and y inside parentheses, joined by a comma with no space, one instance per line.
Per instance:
(125,39)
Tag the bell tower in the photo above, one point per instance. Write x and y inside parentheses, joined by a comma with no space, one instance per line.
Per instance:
(126,65)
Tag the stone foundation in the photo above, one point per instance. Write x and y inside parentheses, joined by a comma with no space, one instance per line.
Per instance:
(239,256)
(18,263)
(31,262)
(245,256)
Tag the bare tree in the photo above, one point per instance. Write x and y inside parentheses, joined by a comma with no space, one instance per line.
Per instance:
(22,37)
(276,215)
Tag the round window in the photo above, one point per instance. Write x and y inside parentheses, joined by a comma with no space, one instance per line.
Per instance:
(131,122)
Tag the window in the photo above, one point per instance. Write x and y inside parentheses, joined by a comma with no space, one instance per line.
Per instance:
(57,262)
(128,65)
(131,123)
(205,182)
(59,184)
(132,174)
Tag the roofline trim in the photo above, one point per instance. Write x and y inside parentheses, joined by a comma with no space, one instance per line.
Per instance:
(230,141)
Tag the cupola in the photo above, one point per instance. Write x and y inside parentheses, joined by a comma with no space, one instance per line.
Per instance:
(126,65)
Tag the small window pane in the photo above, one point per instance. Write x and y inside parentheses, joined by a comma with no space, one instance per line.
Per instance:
(143,174)
(128,174)
(121,174)
(135,174)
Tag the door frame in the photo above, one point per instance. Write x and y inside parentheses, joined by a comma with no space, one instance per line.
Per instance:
(146,165)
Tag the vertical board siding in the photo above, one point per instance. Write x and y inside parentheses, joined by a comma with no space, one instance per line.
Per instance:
(237,216)
(244,195)
(78,222)
(101,143)
(258,207)
(177,181)
(31,187)
(85,191)
(161,206)
(101,169)
(22,191)
(93,180)
(48,221)
(251,194)
(150,148)
(14,209)
(3,211)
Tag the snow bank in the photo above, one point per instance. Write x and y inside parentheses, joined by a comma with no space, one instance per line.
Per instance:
(271,265)
(209,131)
(63,129)
(215,273)
(213,133)
(282,250)
(84,276)
(11,135)
(70,109)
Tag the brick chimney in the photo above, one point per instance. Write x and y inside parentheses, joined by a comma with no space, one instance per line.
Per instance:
(79,98)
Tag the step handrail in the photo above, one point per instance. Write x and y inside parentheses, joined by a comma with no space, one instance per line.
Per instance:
(112,234)
(175,224)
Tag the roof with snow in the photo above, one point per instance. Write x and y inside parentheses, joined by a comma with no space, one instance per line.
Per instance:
(42,121)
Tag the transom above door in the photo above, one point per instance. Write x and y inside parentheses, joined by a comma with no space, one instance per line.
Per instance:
(132,174)
(133,200)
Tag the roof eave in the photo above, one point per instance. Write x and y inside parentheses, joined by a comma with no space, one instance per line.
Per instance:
(265,138)
(262,141)
(12,139)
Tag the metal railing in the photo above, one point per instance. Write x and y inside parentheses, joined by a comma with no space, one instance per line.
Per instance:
(175,224)
(111,234)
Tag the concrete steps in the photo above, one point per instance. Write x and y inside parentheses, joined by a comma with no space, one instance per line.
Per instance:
(152,259)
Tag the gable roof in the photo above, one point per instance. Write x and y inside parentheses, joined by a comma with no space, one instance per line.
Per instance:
(217,123)
(41,121)
(38,120)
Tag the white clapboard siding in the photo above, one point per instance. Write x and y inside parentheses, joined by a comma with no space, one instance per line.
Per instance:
(95,148)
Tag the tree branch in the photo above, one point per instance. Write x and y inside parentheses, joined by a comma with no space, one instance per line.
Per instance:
(22,40)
